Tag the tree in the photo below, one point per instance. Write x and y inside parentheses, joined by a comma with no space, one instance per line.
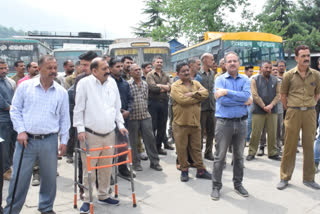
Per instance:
(9,32)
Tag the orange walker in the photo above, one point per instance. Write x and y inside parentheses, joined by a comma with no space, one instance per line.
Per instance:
(91,168)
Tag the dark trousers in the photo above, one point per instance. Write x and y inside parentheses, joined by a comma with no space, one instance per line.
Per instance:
(229,133)
(72,141)
(207,121)
(159,114)
(9,136)
(120,139)
(1,178)
(145,128)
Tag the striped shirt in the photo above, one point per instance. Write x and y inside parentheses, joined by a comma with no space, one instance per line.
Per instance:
(140,100)
(37,111)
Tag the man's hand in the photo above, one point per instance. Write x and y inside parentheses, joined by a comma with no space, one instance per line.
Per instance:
(268,108)
(248,102)
(189,94)
(82,136)
(22,138)
(124,131)
(166,87)
(8,109)
(220,92)
(125,114)
(62,149)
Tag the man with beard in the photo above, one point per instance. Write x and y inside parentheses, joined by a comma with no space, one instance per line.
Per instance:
(116,66)
(127,62)
(38,123)
(300,91)
(265,90)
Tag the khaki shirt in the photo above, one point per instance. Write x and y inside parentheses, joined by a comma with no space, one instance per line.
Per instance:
(301,92)
(186,110)
(69,80)
(16,78)
(154,91)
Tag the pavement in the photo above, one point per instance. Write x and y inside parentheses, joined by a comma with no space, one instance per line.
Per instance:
(162,192)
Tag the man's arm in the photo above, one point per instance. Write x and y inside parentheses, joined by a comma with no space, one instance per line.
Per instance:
(79,108)
(202,93)
(16,109)
(152,84)
(284,90)
(277,97)
(64,120)
(284,101)
(255,95)
(4,105)
(180,97)
(242,95)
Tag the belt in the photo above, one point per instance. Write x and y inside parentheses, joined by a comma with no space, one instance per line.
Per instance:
(39,136)
(302,108)
(236,119)
(95,133)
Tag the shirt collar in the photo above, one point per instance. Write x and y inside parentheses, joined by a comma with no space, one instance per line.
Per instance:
(37,83)
(295,70)
(227,75)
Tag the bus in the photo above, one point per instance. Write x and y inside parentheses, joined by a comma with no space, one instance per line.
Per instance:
(72,52)
(142,50)
(12,50)
(252,48)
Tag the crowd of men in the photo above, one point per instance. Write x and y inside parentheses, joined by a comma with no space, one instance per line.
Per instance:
(105,102)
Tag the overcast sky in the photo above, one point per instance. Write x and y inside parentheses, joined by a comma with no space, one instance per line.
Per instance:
(112,18)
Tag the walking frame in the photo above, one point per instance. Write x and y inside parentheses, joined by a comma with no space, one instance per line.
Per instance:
(93,168)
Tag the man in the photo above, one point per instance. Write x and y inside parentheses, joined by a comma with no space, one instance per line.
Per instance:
(208,105)
(281,68)
(195,67)
(32,69)
(7,133)
(38,122)
(127,62)
(187,95)
(69,80)
(95,116)
(232,92)
(126,107)
(265,90)
(20,69)
(222,67)
(248,70)
(159,86)
(68,67)
(140,121)
(300,91)
(274,70)
(146,68)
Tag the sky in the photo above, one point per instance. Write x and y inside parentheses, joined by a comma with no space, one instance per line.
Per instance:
(112,18)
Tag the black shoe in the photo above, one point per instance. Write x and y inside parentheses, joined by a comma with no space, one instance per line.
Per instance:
(162,152)
(275,157)
(137,167)
(215,194)
(69,159)
(143,156)
(124,172)
(209,156)
(111,180)
(241,191)
(184,176)
(35,179)
(261,152)
(167,146)
(204,174)
(250,157)
(282,185)
(156,167)
(316,167)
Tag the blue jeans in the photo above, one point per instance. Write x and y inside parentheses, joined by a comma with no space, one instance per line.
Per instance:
(249,124)
(229,133)
(46,152)
(9,136)
(317,147)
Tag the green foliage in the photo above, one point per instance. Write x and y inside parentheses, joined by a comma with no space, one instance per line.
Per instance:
(9,32)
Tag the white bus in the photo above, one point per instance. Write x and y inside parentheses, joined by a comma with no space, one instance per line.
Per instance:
(142,50)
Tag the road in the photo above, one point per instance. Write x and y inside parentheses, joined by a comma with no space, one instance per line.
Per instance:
(162,192)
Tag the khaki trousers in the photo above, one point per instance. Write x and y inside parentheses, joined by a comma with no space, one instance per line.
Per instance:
(188,138)
(104,173)
(294,121)
(258,122)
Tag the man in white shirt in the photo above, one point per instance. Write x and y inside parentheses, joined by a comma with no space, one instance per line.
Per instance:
(96,114)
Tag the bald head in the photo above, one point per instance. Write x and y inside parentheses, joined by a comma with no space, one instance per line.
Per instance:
(135,72)
(207,61)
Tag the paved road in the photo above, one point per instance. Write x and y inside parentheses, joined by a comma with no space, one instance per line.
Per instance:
(162,192)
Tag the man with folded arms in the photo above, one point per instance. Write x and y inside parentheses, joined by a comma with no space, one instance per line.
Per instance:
(96,113)
(186,96)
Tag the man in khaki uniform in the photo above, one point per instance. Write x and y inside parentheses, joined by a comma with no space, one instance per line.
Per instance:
(299,94)
(186,96)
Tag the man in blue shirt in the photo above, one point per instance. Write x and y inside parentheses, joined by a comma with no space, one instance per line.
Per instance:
(232,93)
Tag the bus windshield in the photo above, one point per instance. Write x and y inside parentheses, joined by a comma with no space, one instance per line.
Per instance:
(254,52)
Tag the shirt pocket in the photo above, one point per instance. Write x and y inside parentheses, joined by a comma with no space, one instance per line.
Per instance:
(54,108)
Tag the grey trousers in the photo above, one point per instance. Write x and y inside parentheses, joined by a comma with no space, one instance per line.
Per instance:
(207,121)
(145,127)
(229,133)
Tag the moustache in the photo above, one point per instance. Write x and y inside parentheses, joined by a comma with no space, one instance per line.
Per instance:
(53,74)
(107,74)
(306,61)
